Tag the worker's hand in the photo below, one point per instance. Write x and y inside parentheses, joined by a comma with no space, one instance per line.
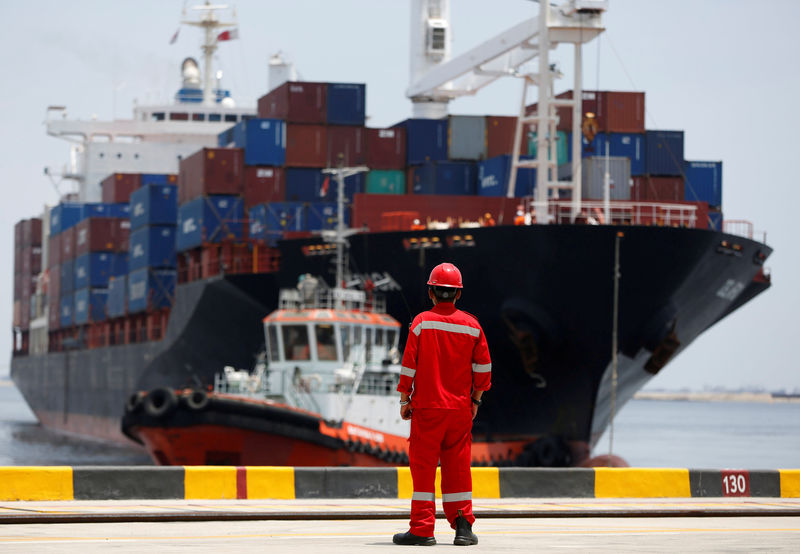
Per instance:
(405,411)
(474,410)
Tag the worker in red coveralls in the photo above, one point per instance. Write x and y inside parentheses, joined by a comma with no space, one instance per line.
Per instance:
(446,369)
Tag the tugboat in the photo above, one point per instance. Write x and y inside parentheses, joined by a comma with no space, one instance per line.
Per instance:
(321,394)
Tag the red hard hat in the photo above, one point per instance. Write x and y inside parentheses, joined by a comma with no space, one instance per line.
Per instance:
(445,275)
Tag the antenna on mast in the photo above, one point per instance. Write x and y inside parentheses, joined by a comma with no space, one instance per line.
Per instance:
(210,24)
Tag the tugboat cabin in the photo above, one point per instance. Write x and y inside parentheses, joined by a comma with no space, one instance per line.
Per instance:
(335,341)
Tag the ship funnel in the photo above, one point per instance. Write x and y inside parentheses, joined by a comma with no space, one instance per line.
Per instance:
(280,71)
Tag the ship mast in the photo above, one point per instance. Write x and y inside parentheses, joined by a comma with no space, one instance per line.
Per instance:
(339,236)
(210,25)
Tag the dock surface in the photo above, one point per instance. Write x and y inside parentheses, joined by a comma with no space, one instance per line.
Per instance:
(352,525)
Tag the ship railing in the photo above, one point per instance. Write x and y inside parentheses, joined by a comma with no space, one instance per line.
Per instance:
(628,213)
(242,383)
(332,299)
(743,228)
(620,213)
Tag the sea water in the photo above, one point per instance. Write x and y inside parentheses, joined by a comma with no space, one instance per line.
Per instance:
(647,433)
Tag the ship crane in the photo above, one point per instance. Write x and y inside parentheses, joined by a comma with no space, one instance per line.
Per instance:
(435,78)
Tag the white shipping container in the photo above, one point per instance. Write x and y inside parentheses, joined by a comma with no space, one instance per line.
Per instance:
(466,137)
(593,173)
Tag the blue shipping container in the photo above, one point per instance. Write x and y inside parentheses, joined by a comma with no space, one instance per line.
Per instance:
(64,216)
(117,295)
(209,219)
(663,153)
(154,205)
(304,184)
(352,185)
(263,140)
(458,178)
(152,246)
(622,145)
(493,175)
(346,103)
(426,140)
(324,215)
(66,306)
(68,276)
(225,138)
(96,268)
(150,288)
(158,179)
(101,209)
(90,305)
(703,182)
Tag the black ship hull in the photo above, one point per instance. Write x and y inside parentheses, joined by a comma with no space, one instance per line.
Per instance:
(543,293)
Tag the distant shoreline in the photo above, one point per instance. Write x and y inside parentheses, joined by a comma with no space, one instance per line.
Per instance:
(764,397)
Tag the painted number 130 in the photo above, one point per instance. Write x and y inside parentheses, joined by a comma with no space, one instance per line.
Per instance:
(734,484)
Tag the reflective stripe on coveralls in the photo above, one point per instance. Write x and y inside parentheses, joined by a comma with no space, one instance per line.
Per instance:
(449,327)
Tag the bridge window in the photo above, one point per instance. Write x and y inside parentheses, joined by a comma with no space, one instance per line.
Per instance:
(198,117)
(230,117)
(214,117)
(344,333)
(178,116)
(272,343)
(326,343)
(295,342)
(157,116)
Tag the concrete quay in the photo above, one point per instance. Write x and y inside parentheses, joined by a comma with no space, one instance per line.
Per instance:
(518,525)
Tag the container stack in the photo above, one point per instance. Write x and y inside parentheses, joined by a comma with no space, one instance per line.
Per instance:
(151,277)
(27,266)
(704,184)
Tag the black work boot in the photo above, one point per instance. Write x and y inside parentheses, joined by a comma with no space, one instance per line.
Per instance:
(464,534)
(410,539)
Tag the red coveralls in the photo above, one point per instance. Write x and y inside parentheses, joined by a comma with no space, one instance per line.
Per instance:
(445,358)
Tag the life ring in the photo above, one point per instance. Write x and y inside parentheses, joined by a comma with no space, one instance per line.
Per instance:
(197,400)
(134,402)
(160,402)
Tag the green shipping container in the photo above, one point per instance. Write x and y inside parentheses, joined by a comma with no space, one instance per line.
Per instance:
(386,181)
(562,148)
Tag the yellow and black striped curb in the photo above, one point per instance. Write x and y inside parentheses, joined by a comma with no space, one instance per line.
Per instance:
(219,483)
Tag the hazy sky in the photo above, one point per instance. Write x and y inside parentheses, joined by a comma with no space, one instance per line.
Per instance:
(725,71)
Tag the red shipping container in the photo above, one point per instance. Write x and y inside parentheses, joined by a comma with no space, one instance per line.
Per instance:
(306,145)
(616,112)
(18,259)
(211,171)
(53,283)
(53,250)
(657,189)
(53,313)
(295,102)
(102,234)
(31,259)
(500,131)
(386,148)
(68,244)
(32,232)
(264,184)
(347,141)
(17,286)
(118,187)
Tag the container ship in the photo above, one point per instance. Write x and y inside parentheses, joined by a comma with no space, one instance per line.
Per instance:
(592,252)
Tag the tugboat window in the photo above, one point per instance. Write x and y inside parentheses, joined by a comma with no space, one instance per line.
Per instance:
(379,337)
(344,333)
(390,338)
(368,344)
(326,343)
(295,342)
(272,339)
